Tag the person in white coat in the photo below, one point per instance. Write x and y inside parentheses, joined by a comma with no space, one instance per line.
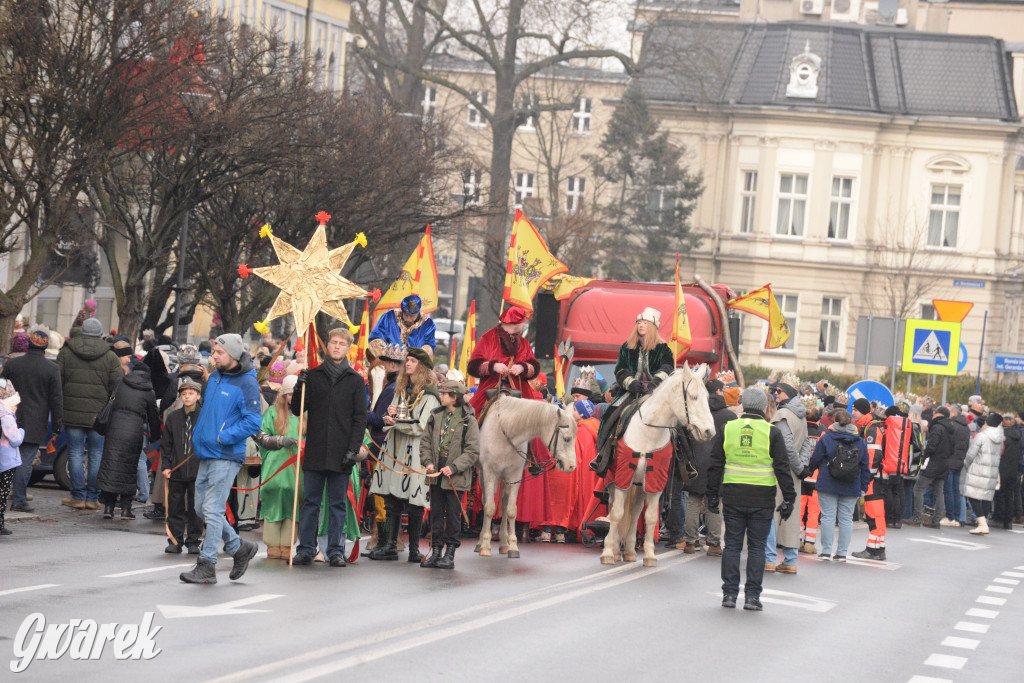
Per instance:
(980,476)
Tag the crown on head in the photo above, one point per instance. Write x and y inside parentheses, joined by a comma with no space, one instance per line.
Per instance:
(791,379)
(726,377)
(588,375)
(842,399)
(809,401)
(395,352)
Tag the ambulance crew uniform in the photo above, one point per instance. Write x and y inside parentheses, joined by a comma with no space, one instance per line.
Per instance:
(873,433)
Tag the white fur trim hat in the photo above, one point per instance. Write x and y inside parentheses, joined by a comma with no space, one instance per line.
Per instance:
(651,315)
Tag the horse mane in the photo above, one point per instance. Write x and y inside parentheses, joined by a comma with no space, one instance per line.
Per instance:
(519,417)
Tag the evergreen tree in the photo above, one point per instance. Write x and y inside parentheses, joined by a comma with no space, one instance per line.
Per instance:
(653,194)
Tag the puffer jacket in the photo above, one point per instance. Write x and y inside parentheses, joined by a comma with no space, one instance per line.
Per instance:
(230,415)
(961,442)
(980,475)
(1009,463)
(134,411)
(89,371)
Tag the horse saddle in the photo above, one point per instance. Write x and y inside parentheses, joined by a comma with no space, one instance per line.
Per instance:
(493,392)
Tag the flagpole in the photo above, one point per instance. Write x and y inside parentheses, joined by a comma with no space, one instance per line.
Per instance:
(726,332)
(302,447)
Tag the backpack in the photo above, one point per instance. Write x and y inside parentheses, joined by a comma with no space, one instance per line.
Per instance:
(898,437)
(845,467)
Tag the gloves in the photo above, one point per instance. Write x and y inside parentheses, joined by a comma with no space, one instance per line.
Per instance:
(303,377)
(273,443)
(288,442)
(804,473)
(785,510)
(711,505)
(351,457)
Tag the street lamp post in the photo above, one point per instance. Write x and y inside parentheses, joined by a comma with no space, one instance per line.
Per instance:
(462,199)
(180,288)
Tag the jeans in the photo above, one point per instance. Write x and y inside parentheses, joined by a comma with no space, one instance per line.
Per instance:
(924,482)
(836,509)
(908,494)
(24,473)
(309,518)
(674,516)
(83,488)
(213,484)
(955,508)
(752,523)
(142,478)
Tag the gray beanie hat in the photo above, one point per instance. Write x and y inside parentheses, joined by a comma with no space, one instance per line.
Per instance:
(92,328)
(753,398)
(232,344)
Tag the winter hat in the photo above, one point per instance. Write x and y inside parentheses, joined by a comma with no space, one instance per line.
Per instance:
(189,383)
(288,385)
(278,372)
(584,408)
(20,343)
(8,396)
(455,375)
(514,315)
(450,386)
(39,336)
(785,388)
(732,395)
(421,355)
(994,419)
(122,348)
(651,315)
(232,345)
(862,406)
(714,386)
(188,354)
(88,310)
(92,328)
(295,368)
(754,399)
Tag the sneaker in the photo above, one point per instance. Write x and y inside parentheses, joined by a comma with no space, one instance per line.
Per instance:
(193,550)
(245,552)
(728,600)
(824,557)
(173,549)
(753,604)
(786,569)
(560,537)
(156,513)
(543,537)
(203,572)
(338,560)
(25,507)
(715,550)
(302,559)
(945,521)
(839,558)
(931,524)
(74,503)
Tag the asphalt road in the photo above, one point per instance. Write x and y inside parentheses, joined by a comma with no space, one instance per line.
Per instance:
(946,607)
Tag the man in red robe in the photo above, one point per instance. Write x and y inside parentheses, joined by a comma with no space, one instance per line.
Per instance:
(503,357)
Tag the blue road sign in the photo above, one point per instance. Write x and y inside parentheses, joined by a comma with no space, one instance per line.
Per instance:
(961,362)
(1009,362)
(972,284)
(872,391)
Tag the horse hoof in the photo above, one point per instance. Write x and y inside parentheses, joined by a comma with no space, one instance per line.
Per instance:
(650,562)
(477,548)
(503,549)
(485,552)
(607,560)
(513,554)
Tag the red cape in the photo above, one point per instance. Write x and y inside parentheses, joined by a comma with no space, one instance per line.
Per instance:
(490,350)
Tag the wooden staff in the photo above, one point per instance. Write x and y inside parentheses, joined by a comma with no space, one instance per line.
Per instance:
(298,460)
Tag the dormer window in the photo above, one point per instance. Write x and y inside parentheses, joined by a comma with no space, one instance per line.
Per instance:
(803,74)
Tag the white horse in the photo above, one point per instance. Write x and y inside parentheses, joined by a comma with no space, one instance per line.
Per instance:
(681,400)
(509,425)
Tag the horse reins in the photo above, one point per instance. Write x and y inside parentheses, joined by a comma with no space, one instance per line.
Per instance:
(686,409)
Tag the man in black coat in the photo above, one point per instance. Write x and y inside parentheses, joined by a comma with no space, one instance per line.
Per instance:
(1009,473)
(961,442)
(37,381)
(335,401)
(937,454)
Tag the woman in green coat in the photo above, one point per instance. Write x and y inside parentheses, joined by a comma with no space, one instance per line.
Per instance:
(645,361)
(277,496)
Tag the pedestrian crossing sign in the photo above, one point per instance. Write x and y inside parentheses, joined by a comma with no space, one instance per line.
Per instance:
(931,347)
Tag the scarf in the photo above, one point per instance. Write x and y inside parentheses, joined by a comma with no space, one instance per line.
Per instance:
(333,369)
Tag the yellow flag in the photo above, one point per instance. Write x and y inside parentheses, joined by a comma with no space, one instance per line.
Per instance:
(682,340)
(418,276)
(754,302)
(559,379)
(564,285)
(468,343)
(364,334)
(530,264)
(778,328)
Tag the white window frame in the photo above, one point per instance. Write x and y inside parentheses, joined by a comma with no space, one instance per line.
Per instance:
(525,187)
(525,102)
(785,302)
(474,116)
(575,193)
(663,191)
(472,185)
(429,103)
(793,200)
(748,200)
(582,115)
(830,330)
(944,212)
(841,209)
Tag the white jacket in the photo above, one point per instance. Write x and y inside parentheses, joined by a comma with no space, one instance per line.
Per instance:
(980,477)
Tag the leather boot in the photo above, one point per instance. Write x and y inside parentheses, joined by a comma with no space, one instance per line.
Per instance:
(435,557)
(415,525)
(126,511)
(448,561)
(387,545)
(600,464)
(377,540)
(108,511)
(203,572)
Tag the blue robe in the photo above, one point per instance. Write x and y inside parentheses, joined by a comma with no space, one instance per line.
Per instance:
(389,331)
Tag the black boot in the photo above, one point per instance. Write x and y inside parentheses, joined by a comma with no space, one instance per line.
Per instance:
(203,572)
(158,512)
(387,542)
(448,561)
(126,511)
(415,526)
(600,464)
(108,511)
(871,554)
(435,557)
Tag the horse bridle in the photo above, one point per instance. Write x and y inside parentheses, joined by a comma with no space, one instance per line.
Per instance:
(550,444)
(686,408)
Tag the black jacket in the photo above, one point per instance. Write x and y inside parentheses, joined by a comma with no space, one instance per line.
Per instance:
(175,448)
(89,371)
(375,417)
(1009,463)
(37,381)
(170,395)
(336,418)
(939,449)
(134,411)
(721,414)
(961,441)
(745,495)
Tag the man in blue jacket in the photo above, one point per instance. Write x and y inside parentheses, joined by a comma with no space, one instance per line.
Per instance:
(230,414)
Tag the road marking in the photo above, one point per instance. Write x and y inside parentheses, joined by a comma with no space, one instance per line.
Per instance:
(982,613)
(962,643)
(218,610)
(1008,582)
(26,589)
(161,568)
(989,600)
(877,564)
(1015,531)
(971,627)
(807,602)
(429,624)
(1019,568)
(946,661)
(962,545)
(928,679)
(998,589)
(1016,575)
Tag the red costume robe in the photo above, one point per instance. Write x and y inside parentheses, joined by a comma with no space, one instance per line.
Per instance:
(587,480)
(498,346)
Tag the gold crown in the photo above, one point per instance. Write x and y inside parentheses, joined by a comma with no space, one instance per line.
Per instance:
(791,379)
(588,376)
(842,399)
(394,352)
(809,401)
(726,377)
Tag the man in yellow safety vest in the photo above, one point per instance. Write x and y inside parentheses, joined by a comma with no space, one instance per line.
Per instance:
(748,461)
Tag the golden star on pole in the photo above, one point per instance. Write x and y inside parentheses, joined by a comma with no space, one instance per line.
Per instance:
(309,279)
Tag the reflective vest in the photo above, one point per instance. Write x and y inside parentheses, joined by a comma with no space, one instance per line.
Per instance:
(748,458)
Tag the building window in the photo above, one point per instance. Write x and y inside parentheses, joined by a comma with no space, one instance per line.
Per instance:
(839,214)
(944,216)
(429,103)
(47,311)
(661,206)
(928,312)
(788,303)
(792,204)
(831,323)
(748,196)
(476,118)
(574,192)
(524,187)
(472,182)
(581,116)
(527,103)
